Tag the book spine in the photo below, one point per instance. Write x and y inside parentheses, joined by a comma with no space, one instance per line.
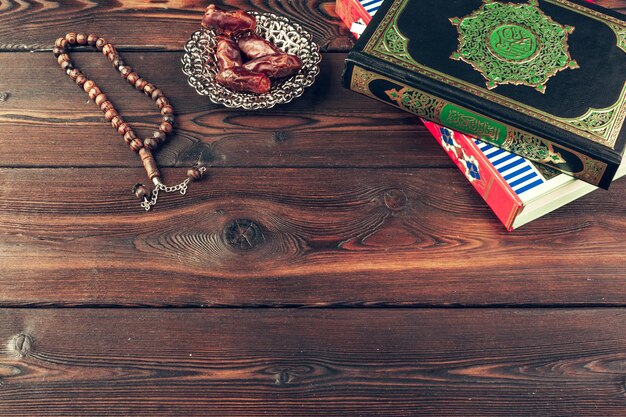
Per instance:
(360,76)
(480,172)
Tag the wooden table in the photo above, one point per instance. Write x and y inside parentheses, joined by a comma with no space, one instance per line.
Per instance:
(334,263)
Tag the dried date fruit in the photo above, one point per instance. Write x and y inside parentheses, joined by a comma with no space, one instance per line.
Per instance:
(241,79)
(275,66)
(227,53)
(228,23)
(253,46)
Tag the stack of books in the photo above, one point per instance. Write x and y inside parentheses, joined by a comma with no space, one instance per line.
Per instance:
(528,98)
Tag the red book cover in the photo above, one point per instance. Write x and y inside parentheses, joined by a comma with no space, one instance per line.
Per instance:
(480,172)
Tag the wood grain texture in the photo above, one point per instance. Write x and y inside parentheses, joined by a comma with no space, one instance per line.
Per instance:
(322,237)
(313,362)
(328,126)
(134,24)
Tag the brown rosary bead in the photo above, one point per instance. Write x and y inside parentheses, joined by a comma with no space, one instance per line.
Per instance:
(60,43)
(100,99)
(123,128)
(116,122)
(168,119)
(88,85)
(67,65)
(150,143)
(100,43)
(167,110)
(81,39)
(71,38)
(132,78)
(58,51)
(80,80)
(112,57)
(194,173)
(156,94)
(148,89)
(110,114)
(92,39)
(159,136)
(141,191)
(74,73)
(106,49)
(129,137)
(162,102)
(125,71)
(106,105)
(63,58)
(166,128)
(140,84)
(94,92)
(136,145)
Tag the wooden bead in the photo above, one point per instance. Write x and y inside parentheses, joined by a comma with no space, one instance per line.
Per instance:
(123,128)
(81,39)
(100,43)
(92,39)
(194,173)
(58,51)
(116,122)
(67,65)
(140,84)
(60,43)
(168,119)
(148,89)
(165,110)
(88,85)
(74,73)
(162,102)
(165,128)
(129,137)
(159,136)
(136,145)
(156,94)
(109,114)
(106,49)
(63,58)
(150,143)
(132,78)
(149,163)
(80,80)
(141,191)
(94,92)
(111,56)
(125,71)
(106,105)
(71,38)
(101,99)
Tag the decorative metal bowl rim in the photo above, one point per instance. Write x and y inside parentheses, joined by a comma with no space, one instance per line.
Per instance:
(200,67)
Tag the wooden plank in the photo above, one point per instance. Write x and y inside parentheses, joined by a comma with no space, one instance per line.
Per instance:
(313,362)
(320,237)
(328,126)
(136,24)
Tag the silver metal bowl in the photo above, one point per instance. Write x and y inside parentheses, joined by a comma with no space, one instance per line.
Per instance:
(200,66)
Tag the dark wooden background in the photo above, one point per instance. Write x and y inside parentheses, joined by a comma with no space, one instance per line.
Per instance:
(335,262)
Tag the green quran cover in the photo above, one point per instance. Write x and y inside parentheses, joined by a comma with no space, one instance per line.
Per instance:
(544,79)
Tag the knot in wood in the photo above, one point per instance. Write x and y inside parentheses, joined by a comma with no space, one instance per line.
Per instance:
(280,136)
(283,377)
(395,199)
(4,96)
(22,344)
(243,234)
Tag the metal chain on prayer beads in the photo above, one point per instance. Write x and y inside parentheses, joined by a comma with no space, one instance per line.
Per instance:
(143,147)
